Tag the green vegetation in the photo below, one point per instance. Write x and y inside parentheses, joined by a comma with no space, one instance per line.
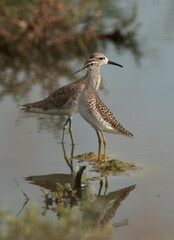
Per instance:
(112,167)
(88,219)
(65,195)
(89,156)
(34,226)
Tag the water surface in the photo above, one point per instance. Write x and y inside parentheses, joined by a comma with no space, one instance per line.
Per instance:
(140,95)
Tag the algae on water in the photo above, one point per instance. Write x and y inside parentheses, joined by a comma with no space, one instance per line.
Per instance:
(111,167)
(114,167)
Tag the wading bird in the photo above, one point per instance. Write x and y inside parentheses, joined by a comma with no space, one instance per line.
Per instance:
(63,101)
(91,107)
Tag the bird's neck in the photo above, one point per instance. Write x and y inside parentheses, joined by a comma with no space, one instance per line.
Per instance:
(93,79)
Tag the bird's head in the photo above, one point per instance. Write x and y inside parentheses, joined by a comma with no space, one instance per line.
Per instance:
(95,61)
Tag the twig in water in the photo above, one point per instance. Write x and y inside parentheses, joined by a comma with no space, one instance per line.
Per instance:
(26,196)
(26,201)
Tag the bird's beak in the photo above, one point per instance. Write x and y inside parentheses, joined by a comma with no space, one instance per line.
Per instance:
(113,63)
(81,69)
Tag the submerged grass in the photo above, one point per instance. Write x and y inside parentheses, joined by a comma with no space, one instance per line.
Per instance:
(112,167)
(89,156)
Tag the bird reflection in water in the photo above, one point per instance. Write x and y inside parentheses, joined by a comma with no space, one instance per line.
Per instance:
(61,184)
(67,190)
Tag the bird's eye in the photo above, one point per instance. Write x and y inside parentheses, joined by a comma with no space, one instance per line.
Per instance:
(101,58)
(92,64)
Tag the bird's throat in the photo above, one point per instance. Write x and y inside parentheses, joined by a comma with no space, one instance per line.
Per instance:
(93,79)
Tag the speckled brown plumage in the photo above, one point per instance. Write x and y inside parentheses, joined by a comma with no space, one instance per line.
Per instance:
(61,98)
(108,116)
(62,101)
(101,113)
(91,107)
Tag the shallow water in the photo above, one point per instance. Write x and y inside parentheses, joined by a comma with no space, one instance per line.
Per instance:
(141,96)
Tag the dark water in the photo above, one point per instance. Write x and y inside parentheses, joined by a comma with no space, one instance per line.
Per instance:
(140,95)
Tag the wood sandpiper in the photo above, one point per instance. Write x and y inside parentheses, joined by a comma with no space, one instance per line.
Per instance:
(91,107)
(62,101)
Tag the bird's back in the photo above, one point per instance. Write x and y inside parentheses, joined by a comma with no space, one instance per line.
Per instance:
(62,99)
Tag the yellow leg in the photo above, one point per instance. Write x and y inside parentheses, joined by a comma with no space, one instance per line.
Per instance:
(99,147)
(64,128)
(104,142)
(69,162)
(70,131)
(72,152)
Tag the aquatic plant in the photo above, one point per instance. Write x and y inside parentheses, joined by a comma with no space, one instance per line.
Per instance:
(112,167)
(32,225)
